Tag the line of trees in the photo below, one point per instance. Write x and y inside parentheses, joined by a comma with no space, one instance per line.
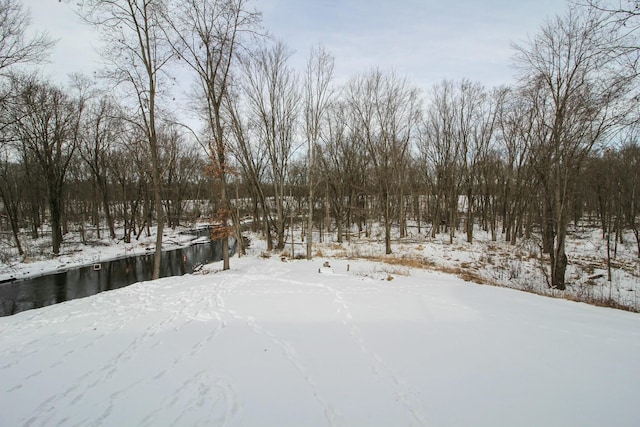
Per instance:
(283,146)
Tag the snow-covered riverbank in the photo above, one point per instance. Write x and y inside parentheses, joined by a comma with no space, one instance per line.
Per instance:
(519,266)
(38,259)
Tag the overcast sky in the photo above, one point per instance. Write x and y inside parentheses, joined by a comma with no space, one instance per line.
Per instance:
(425,40)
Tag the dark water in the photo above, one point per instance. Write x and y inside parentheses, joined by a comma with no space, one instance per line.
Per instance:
(80,282)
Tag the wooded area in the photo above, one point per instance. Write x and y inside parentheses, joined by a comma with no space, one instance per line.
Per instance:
(283,146)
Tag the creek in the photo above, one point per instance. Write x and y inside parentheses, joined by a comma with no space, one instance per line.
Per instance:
(79,282)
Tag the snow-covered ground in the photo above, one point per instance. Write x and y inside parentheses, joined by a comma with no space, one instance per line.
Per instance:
(272,343)
(519,266)
(275,343)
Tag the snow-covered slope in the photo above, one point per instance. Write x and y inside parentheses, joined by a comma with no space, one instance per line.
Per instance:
(270,343)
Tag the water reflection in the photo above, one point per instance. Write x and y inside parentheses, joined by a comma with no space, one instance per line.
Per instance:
(84,281)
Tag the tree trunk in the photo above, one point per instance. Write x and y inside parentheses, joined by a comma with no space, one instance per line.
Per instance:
(559,257)
(453,217)
(15,229)
(469,216)
(339,224)
(267,228)
(280,220)
(225,222)
(547,227)
(558,268)
(56,226)
(157,194)
(107,210)
(387,223)
(309,234)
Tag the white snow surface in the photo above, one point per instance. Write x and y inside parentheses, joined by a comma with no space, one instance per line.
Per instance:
(272,343)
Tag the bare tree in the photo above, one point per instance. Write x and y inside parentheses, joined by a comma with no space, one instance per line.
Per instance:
(46,121)
(475,122)
(629,182)
(604,178)
(273,97)
(618,13)
(101,126)
(317,93)
(516,129)
(184,165)
(136,48)
(251,156)
(386,110)
(343,164)
(443,154)
(15,46)
(206,35)
(578,94)
(127,179)
(11,187)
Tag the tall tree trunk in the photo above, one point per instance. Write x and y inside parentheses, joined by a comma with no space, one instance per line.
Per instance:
(12,212)
(559,258)
(157,194)
(309,234)
(548,231)
(387,223)
(106,207)
(558,265)
(339,224)
(469,221)
(56,226)
(280,213)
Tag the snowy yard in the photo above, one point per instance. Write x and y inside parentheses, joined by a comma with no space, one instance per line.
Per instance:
(273,343)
